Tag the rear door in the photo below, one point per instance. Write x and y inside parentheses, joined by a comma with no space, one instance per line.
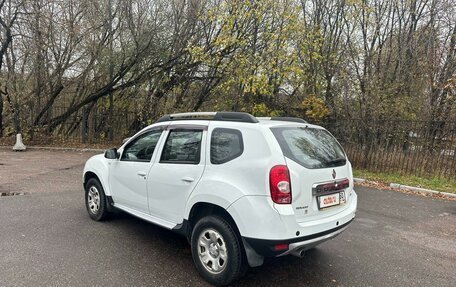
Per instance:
(176,172)
(320,172)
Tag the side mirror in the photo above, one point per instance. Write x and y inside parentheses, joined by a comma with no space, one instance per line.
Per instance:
(111,153)
(125,140)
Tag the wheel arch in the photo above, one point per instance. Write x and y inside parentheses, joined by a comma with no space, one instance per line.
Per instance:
(202,209)
(89,175)
(199,210)
(97,167)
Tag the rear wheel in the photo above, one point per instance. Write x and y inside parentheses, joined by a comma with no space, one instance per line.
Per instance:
(217,251)
(95,200)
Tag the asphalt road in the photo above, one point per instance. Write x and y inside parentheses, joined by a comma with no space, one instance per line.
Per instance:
(47,239)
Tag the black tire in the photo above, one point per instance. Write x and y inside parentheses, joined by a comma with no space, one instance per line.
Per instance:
(100,213)
(235,263)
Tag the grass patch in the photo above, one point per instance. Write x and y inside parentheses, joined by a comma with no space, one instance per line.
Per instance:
(439,184)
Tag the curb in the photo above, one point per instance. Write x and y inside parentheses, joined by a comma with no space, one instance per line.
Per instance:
(411,188)
(60,148)
(418,189)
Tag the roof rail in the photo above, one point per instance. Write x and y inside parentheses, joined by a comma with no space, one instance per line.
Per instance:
(214,116)
(285,119)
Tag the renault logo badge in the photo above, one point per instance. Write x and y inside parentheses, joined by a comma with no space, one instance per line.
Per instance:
(334,174)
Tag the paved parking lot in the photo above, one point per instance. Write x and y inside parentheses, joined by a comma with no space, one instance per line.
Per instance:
(47,239)
(40,171)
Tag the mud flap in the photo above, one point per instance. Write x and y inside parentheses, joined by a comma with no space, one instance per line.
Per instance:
(253,258)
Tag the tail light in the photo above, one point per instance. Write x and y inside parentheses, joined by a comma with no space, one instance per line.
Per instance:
(280,185)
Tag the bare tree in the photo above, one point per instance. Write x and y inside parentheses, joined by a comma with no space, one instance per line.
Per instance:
(9,12)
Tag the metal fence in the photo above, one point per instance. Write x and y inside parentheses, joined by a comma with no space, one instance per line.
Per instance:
(421,148)
(91,126)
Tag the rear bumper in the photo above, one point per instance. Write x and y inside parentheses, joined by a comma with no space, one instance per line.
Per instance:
(266,248)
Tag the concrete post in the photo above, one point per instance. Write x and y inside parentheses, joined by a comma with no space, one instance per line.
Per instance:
(19,146)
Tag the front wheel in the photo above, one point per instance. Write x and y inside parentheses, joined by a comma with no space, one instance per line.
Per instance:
(95,200)
(217,251)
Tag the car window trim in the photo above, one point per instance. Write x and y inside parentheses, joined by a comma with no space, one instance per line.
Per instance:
(187,127)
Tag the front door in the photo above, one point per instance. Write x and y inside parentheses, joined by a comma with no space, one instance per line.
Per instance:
(128,175)
(176,172)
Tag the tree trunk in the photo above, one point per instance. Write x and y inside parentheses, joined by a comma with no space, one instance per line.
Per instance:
(111,75)
(329,98)
(16,119)
(1,115)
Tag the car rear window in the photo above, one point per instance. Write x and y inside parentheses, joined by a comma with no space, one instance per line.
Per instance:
(310,147)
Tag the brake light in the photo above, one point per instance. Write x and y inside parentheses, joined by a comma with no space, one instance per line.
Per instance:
(280,185)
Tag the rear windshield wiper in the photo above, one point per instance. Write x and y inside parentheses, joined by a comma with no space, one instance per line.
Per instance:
(337,161)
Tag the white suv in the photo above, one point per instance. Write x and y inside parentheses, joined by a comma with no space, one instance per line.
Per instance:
(239,188)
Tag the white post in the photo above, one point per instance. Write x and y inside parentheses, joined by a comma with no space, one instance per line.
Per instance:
(19,146)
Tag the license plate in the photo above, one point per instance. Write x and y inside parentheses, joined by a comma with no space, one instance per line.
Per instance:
(331,200)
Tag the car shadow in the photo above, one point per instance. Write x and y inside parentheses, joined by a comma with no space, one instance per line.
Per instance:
(309,270)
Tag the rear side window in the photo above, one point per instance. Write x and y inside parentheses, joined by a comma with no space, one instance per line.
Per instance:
(311,148)
(226,145)
(182,146)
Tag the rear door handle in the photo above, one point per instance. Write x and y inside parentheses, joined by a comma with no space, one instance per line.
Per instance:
(142,173)
(188,179)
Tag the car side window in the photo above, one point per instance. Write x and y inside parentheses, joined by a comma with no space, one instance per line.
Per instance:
(226,145)
(142,147)
(182,146)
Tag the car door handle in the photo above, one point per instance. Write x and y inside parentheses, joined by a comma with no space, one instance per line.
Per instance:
(142,173)
(188,179)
